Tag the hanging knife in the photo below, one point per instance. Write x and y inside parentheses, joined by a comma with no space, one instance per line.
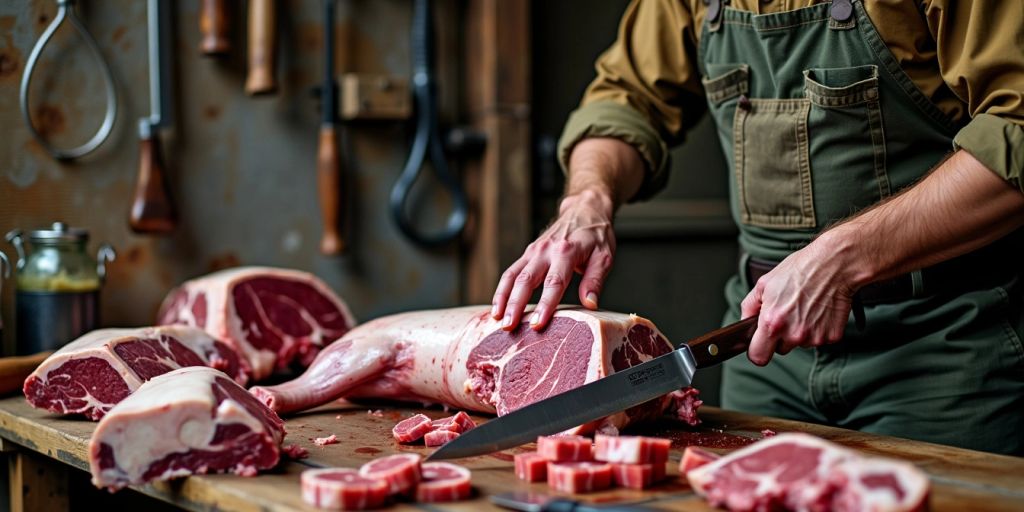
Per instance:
(609,395)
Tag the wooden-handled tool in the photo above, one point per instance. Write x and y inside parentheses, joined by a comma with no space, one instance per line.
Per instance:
(152,210)
(14,370)
(328,160)
(215,26)
(262,47)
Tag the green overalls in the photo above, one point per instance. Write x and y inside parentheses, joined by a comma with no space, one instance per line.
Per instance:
(818,121)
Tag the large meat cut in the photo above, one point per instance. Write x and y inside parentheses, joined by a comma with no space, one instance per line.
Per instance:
(461,357)
(272,316)
(189,421)
(93,373)
(802,472)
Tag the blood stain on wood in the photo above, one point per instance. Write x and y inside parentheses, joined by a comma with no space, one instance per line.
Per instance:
(368,450)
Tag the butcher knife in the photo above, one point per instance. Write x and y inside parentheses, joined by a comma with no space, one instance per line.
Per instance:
(608,395)
(527,501)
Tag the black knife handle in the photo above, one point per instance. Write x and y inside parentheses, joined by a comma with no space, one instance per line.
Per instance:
(567,505)
(722,344)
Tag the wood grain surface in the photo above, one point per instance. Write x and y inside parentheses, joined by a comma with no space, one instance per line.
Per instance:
(961,479)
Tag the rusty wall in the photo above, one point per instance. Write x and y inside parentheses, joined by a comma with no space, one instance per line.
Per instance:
(242,169)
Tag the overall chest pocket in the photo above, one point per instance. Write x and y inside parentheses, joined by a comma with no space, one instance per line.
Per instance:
(847,140)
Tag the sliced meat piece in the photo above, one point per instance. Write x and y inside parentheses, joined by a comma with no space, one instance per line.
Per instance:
(638,476)
(342,489)
(272,316)
(412,429)
(565,448)
(531,466)
(439,437)
(695,457)
(443,482)
(189,421)
(631,449)
(579,477)
(684,405)
(401,472)
(462,358)
(324,441)
(876,485)
(294,451)
(96,371)
(458,423)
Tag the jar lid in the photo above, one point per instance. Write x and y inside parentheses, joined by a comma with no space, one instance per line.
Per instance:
(59,232)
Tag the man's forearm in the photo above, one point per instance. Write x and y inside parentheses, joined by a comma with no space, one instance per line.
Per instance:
(961,206)
(605,171)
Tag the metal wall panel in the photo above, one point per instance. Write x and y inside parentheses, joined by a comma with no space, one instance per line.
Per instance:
(242,169)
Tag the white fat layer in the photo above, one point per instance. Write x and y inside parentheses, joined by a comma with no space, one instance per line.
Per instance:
(878,499)
(172,413)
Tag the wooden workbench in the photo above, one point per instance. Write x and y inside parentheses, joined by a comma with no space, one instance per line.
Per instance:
(961,479)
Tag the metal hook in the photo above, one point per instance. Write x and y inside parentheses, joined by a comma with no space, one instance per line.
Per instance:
(65,9)
(104,255)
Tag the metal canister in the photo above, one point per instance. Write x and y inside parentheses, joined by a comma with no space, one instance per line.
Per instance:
(57,286)
(5,272)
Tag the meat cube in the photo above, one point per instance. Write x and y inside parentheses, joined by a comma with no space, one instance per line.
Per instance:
(439,437)
(638,476)
(531,467)
(411,429)
(96,371)
(458,423)
(579,477)
(190,421)
(443,482)
(695,457)
(401,472)
(631,449)
(273,316)
(563,448)
(342,489)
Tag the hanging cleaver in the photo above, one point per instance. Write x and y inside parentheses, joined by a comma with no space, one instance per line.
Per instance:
(608,395)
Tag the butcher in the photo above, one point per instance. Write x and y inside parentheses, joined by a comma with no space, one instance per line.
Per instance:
(875,151)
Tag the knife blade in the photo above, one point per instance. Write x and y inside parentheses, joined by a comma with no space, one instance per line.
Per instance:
(608,395)
(528,501)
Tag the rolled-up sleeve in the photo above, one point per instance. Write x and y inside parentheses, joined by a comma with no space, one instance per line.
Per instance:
(980,48)
(647,91)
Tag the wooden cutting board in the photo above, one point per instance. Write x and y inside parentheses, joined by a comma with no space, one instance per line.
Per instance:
(961,479)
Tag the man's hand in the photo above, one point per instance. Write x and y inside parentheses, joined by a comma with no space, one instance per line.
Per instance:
(604,173)
(581,240)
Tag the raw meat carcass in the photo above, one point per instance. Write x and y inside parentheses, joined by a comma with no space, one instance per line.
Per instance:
(802,472)
(93,373)
(189,421)
(272,316)
(342,489)
(462,358)
(443,482)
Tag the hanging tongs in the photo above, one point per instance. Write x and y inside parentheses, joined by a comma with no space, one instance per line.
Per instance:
(428,138)
(66,10)
(152,210)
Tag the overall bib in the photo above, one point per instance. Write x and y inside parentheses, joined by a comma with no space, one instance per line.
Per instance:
(818,121)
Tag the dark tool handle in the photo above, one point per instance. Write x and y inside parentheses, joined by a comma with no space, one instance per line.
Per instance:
(215,25)
(14,370)
(329,183)
(262,46)
(152,208)
(719,345)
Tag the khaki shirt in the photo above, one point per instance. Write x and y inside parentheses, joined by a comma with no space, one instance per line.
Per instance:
(967,57)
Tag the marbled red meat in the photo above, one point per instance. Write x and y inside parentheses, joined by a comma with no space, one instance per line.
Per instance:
(638,476)
(565,448)
(462,358)
(579,477)
(342,489)
(631,449)
(189,421)
(443,482)
(96,371)
(439,437)
(402,472)
(531,466)
(693,458)
(274,317)
(412,429)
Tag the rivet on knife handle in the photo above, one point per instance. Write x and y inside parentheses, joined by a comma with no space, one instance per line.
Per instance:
(722,344)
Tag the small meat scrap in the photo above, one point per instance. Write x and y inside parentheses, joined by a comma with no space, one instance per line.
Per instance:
(768,432)
(376,413)
(443,482)
(579,477)
(562,448)
(695,457)
(324,441)
(531,466)
(631,449)
(439,437)
(412,429)
(638,476)
(402,472)
(685,404)
(342,489)
(294,451)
